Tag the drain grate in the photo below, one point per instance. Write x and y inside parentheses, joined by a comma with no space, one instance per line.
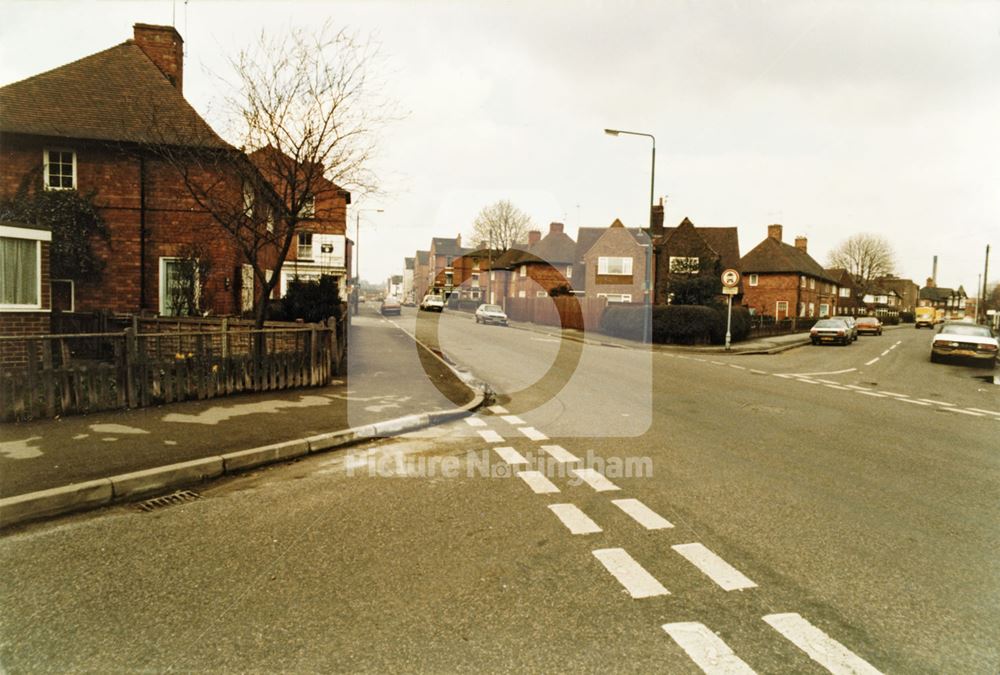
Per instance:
(179,497)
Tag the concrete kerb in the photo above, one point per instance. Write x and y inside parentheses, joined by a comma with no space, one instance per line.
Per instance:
(140,484)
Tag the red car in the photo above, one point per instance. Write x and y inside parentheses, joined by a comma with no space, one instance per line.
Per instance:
(869,324)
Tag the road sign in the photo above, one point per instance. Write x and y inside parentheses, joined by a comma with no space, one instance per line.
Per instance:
(730,290)
(730,278)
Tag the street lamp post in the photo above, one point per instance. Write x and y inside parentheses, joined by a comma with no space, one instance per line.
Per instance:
(357,251)
(647,299)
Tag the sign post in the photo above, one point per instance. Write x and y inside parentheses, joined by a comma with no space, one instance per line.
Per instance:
(730,287)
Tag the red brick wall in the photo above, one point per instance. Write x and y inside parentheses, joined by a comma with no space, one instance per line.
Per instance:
(771,288)
(616,242)
(13,352)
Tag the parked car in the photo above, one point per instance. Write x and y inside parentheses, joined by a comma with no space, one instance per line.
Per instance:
(432,303)
(390,305)
(869,324)
(851,324)
(831,330)
(961,340)
(491,314)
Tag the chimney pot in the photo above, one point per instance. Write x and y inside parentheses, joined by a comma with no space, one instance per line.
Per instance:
(458,240)
(556,227)
(164,47)
(534,236)
(801,244)
(774,232)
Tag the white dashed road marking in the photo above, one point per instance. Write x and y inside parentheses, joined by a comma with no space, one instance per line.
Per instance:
(910,400)
(512,419)
(498,410)
(533,433)
(966,412)
(490,436)
(758,372)
(837,386)
(932,401)
(892,393)
(988,412)
(560,454)
(884,353)
(510,455)
(733,365)
(575,520)
(820,647)
(595,480)
(637,581)
(706,649)
(870,393)
(475,422)
(715,568)
(868,363)
(537,482)
(642,514)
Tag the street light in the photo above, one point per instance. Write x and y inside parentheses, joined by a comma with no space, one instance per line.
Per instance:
(647,300)
(357,249)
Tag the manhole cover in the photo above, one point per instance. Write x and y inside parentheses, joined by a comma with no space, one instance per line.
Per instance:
(179,497)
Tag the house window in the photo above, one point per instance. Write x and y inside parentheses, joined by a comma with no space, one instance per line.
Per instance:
(493,275)
(20,273)
(541,294)
(475,264)
(616,297)
(449,279)
(180,287)
(611,265)
(522,271)
(308,209)
(248,200)
(802,281)
(753,280)
(522,294)
(824,310)
(475,279)
(802,309)
(812,284)
(569,271)
(844,292)
(682,265)
(781,309)
(812,310)
(305,251)
(60,169)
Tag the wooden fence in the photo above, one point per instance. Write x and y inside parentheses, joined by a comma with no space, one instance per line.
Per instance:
(88,372)
(566,311)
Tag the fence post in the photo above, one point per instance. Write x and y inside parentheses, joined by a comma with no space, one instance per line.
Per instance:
(225,338)
(313,355)
(332,345)
(131,356)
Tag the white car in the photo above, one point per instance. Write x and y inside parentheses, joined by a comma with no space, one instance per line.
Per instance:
(432,303)
(491,314)
(961,340)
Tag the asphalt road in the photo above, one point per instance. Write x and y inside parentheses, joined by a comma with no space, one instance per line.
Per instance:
(822,504)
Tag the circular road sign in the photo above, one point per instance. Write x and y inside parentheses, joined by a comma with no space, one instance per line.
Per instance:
(730,278)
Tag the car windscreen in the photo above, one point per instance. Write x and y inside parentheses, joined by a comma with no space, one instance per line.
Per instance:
(830,323)
(491,308)
(970,329)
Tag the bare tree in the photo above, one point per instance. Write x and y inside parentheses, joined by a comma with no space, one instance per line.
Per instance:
(866,257)
(499,226)
(305,113)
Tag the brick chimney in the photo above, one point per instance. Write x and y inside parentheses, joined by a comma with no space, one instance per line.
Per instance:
(555,227)
(458,240)
(164,47)
(534,236)
(774,232)
(656,219)
(801,243)
(930,282)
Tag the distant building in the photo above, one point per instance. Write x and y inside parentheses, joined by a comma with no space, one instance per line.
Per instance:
(908,291)
(408,266)
(614,263)
(951,301)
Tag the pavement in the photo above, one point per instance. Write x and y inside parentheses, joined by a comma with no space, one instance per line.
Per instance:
(48,467)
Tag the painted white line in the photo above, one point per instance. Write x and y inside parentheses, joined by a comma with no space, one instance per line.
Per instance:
(475,422)
(854,386)
(892,393)
(498,410)
(575,520)
(868,363)
(967,412)
(733,365)
(510,455)
(637,581)
(784,375)
(837,386)
(830,372)
(537,482)
(699,360)
(820,647)
(930,400)
(560,454)
(894,346)
(718,363)
(490,436)
(512,419)
(595,480)
(758,372)
(870,393)
(988,412)
(884,353)
(706,649)
(826,381)
(533,433)
(806,380)
(642,514)
(715,568)
(910,400)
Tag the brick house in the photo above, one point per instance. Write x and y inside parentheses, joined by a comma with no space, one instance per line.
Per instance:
(544,264)
(908,291)
(612,263)
(321,246)
(951,301)
(25,288)
(445,277)
(784,281)
(421,275)
(408,264)
(687,251)
(849,299)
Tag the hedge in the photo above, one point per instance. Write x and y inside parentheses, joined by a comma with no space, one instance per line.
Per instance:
(678,324)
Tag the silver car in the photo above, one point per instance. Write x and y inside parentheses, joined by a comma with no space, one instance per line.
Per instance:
(491,314)
(852,324)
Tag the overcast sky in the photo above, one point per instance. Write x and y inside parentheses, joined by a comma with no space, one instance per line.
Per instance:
(831,118)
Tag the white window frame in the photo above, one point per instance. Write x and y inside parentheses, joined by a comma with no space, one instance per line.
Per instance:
(541,294)
(812,310)
(45,168)
(778,308)
(522,271)
(824,310)
(522,294)
(802,281)
(162,279)
(812,284)
(569,271)
(753,279)
(38,236)
(616,297)
(304,251)
(802,310)
(604,264)
(475,279)
(844,292)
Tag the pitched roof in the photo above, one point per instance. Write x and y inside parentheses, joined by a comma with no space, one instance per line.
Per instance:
(555,247)
(773,256)
(408,263)
(586,237)
(446,246)
(938,293)
(725,241)
(423,257)
(118,94)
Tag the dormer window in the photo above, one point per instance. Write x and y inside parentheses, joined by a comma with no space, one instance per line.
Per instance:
(60,169)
